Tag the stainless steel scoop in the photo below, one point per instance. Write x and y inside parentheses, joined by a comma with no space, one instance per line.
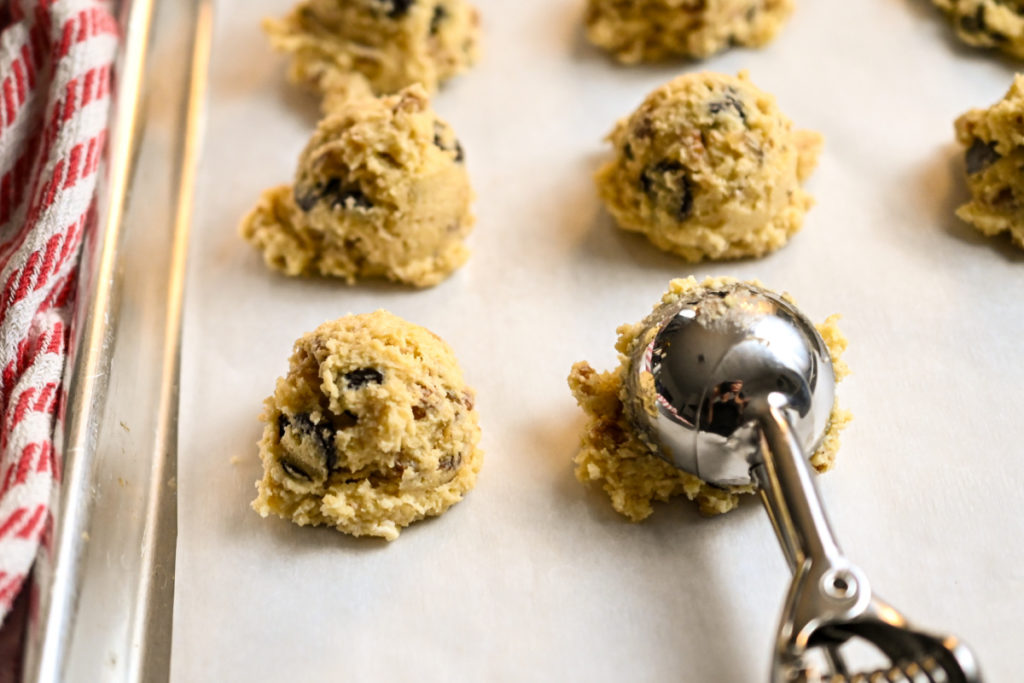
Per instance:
(736,386)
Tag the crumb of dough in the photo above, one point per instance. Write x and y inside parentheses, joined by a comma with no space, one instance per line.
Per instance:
(653,30)
(994,142)
(372,429)
(709,168)
(381,191)
(613,455)
(991,24)
(387,44)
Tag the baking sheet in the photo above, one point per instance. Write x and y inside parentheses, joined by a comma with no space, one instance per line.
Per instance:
(534,577)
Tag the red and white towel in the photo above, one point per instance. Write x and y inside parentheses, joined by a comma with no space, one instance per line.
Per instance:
(56,60)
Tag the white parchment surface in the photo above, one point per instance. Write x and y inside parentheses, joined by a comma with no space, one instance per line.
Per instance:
(534,577)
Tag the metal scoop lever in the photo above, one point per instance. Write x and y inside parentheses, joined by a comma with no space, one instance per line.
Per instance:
(735,386)
(830,600)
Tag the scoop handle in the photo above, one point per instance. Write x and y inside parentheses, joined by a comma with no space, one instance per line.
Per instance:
(830,599)
(789,493)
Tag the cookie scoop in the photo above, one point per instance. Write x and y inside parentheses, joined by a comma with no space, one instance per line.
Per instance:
(734,385)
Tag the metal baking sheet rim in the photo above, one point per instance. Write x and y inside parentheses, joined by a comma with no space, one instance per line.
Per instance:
(141,651)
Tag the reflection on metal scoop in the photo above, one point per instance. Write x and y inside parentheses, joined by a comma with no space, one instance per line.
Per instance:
(735,386)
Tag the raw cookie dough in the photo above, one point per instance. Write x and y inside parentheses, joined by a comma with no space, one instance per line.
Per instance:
(709,168)
(994,139)
(372,429)
(988,23)
(649,30)
(391,43)
(612,453)
(381,191)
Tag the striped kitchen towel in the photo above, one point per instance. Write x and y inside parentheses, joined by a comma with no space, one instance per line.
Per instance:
(56,59)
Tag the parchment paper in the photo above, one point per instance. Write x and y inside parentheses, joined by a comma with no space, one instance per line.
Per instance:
(534,577)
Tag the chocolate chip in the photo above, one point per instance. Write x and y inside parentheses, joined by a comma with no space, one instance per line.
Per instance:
(644,128)
(326,435)
(419,412)
(449,462)
(323,433)
(306,200)
(729,102)
(397,8)
(1005,198)
(627,151)
(440,14)
(345,420)
(352,199)
(302,422)
(978,24)
(339,196)
(294,471)
(686,205)
(322,436)
(975,23)
(358,378)
(647,183)
(439,130)
(661,174)
(980,155)
(673,177)
(345,197)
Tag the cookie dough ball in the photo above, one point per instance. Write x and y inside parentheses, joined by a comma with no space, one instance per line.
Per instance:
(372,429)
(650,30)
(381,191)
(709,168)
(994,140)
(613,454)
(997,24)
(390,43)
